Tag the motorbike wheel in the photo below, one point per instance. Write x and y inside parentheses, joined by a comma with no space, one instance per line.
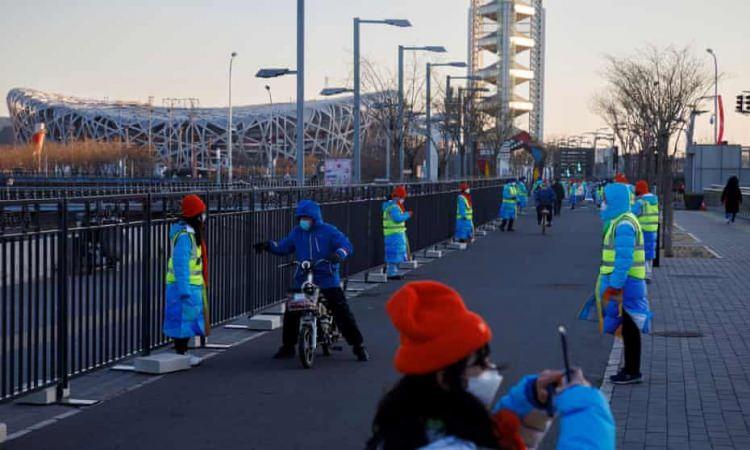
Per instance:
(306,347)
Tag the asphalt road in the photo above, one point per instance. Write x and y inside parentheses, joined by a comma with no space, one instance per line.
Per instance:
(523,283)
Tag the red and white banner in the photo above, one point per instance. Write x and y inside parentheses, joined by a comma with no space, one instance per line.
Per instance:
(37,140)
(721,122)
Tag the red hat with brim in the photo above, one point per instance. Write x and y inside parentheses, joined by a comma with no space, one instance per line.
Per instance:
(641,187)
(192,206)
(436,328)
(399,192)
(463,186)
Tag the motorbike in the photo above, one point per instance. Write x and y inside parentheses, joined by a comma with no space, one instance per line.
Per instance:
(317,327)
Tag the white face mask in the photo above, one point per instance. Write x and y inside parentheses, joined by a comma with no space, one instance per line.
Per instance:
(468,191)
(485,386)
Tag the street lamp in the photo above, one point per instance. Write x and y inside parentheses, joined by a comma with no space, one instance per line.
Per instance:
(300,72)
(327,92)
(716,96)
(449,94)
(428,107)
(230,135)
(400,125)
(401,23)
(280,72)
(467,128)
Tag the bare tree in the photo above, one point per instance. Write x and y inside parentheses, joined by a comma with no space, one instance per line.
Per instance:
(384,116)
(647,101)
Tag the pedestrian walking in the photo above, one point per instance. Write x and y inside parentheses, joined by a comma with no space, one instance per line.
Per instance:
(186,309)
(464,215)
(731,197)
(560,196)
(325,247)
(448,395)
(508,207)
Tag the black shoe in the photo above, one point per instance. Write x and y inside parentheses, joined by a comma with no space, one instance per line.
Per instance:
(511,229)
(286,351)
(625,378)
(360,351)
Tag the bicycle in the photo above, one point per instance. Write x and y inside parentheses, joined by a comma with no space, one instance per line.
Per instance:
(545,219)
(317,326)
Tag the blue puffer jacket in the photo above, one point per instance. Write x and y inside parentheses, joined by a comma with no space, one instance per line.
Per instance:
(396,245)
(464,226)
(322,241)
(649,237)
(586,420)
(183,309)
(507,207)
(545,196)
(635,301)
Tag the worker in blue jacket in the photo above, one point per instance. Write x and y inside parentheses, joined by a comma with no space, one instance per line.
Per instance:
(622,301)
(464,215)
(508,206)
(523,194)
(395,216)
(646,208)
(316,241)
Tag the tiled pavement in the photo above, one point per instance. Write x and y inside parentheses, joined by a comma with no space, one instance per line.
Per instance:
(696,393)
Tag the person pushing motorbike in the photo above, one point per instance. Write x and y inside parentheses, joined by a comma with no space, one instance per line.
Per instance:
(313,240)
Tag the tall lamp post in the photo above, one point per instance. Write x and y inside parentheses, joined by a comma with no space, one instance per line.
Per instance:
(449,94)
(428,109)
(401,23)
(230,134)
(400,124)
(716,95)
(300,72)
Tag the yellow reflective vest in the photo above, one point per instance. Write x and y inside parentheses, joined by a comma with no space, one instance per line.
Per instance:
(638,269)
(389,225)
(468,208)
(196,261)
(649,218)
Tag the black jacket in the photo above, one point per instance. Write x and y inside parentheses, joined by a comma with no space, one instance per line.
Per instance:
(559,190)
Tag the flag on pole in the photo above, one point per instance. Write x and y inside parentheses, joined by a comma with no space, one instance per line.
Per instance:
(37,140)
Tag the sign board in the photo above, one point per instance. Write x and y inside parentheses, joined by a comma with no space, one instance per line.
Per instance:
(338,172)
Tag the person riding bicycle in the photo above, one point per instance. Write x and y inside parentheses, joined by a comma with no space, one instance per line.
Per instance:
(545,198)
(314,240)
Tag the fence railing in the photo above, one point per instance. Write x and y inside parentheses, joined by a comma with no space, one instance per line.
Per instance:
(82,280)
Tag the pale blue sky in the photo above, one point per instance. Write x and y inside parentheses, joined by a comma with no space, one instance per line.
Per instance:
(176,48)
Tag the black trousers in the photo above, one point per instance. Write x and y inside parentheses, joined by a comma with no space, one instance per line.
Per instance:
(539,213)
(631,338)
(336,303)
(181,345)
(558,206)
(508,222)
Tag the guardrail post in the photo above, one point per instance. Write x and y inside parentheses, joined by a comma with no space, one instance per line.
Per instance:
(146,279)
(62,300)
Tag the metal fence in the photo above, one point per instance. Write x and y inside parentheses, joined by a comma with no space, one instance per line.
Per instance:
(82,279)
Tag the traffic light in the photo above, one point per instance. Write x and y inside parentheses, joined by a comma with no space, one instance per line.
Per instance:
(740,103)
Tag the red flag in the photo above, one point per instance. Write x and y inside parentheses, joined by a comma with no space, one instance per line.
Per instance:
(721,121)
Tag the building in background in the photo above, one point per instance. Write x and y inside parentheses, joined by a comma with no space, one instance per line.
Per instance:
(186,136)
(506,44)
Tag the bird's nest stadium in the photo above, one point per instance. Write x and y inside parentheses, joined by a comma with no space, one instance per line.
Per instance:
(184,135)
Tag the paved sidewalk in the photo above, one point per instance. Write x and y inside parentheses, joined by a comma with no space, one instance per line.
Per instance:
(697,389)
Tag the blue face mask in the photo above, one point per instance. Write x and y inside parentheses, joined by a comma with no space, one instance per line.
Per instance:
(305,224)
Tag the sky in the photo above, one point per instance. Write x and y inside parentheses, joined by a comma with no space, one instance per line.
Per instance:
(130,50)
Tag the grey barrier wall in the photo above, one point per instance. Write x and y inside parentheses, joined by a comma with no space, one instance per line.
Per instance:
(82,279)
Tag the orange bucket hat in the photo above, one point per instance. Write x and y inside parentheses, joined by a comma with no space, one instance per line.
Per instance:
(436,328)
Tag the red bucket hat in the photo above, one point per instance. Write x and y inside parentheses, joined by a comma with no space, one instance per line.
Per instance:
(192,206)
(621,178)
(436,328)
(463,186)
(399,192)
(641,187)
